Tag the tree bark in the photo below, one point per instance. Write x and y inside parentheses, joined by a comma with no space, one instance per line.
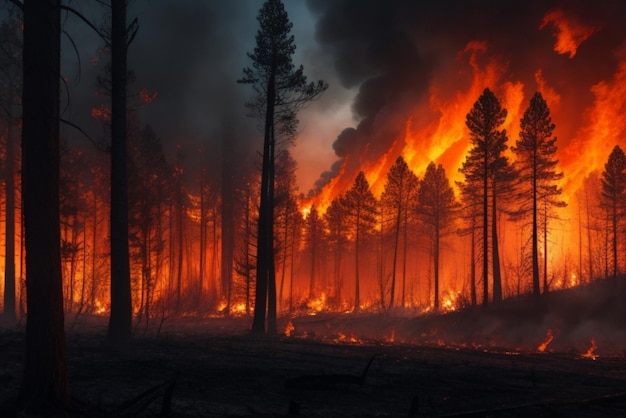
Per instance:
(9,182)
(44,383)
(120,321)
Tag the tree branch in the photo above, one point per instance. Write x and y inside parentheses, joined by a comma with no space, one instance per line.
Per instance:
(84,19)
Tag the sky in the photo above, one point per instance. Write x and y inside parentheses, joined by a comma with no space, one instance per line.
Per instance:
(395,68)
(191,53)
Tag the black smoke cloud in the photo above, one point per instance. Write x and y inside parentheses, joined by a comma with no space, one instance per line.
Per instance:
(392,50)
(190,54)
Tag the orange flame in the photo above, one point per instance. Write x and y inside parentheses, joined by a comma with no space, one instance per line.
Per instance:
(289,328)
(546,342)
(569,33)
(591,352)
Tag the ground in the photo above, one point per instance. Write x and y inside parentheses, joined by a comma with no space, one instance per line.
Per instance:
(562,354)
(223,372)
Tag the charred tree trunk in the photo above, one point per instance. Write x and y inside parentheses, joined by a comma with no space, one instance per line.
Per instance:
(497,277)
(44,385)
(264,234)
(535,249)
(9,184)
(436,263)
(485,213)
(228,225)
(473,263)
(120,321)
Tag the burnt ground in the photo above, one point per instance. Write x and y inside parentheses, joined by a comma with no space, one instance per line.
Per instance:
(222,372)
(472,363)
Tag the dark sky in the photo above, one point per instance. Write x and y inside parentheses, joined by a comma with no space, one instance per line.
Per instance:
(382,59)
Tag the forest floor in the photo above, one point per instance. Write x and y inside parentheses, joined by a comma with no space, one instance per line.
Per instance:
(214,368)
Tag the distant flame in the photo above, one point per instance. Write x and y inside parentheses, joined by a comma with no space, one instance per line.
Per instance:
(570,34)
(289,328)
(591,352)
(546,342)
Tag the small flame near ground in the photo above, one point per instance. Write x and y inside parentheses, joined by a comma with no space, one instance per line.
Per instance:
(546,342)
(289,328)
(591,352)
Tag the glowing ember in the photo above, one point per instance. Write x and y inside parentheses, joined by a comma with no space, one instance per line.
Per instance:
(591,352)
(343,338)
(546,342)
(289,328)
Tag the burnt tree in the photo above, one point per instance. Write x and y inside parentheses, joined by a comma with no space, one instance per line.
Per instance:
(44,385)
(280,91)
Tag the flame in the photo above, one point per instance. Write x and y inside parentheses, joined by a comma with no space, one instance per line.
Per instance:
(570,34)
(546,342)
(591,352)
(343,338)
(289,328)
(146,97)
(99,307)
(449,301)
(317,305)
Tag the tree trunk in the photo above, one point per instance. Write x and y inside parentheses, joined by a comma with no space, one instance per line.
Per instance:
(535,238)
(473,263)
(44,384)
(485,230)
(264,243)
(120,321)
(497,277)
(9,182)
(227,220)
(436,265)
(395,259)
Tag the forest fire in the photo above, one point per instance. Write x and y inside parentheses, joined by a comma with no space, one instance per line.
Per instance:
(349,251)
(546,342)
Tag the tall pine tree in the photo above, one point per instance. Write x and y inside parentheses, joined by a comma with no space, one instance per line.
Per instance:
(487,165)
(280,91)
(614,197)
(536,164)
(360,210)
(437,205)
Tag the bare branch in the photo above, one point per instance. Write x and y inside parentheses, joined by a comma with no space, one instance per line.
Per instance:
(98,144)
(84,19)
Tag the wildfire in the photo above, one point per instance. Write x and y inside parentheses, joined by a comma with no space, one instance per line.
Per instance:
(317,305)
(591,352)
(569,33)
(546,342)
(343,338)
(449,301)
(289,328)
(99,307)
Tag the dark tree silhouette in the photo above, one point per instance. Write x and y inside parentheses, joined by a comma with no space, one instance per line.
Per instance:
(313,231)
(614,197)
(470,214)
(44,385)
(280,91)
(437,205)
(360,210)
(536,164)
(335,220)
(10,83)
(397,200)
(487,164)
(120,322)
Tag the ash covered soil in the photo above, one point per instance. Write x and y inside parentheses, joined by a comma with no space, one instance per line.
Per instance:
(221,371)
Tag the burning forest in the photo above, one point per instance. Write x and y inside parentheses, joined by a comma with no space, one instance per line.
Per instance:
(471,197)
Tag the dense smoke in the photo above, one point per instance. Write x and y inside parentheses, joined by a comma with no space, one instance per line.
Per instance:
(396,51)
(190,54)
